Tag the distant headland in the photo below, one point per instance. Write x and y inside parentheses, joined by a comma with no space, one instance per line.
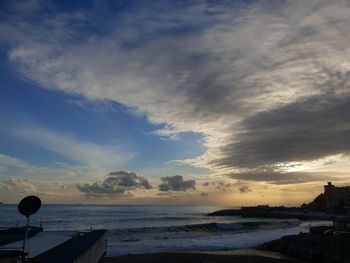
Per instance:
(334,203)
(324,243)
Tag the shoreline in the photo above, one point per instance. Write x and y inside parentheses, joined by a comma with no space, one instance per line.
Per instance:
(268,252)
(238,256)
(316,246)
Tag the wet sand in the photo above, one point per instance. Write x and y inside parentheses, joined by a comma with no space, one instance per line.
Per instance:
(238,256)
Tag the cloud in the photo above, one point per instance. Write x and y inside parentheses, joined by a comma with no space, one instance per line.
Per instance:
(55,181)
(14,167)
(176,183)
(129,179)
(281,178)
(14,188)
(219,184)
(85,153)
(245,189)
(19,186)
(246,76)
(204,194)
(60,186)
(308,129)
(115,184)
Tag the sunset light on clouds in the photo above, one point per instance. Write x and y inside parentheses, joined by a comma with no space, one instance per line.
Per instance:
(174,102)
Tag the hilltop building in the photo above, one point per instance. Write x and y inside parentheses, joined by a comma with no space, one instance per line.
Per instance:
(336,197)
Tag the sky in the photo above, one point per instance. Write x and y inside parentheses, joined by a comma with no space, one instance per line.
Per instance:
(223,103)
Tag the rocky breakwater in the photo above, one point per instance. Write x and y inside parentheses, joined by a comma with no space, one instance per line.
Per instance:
(323,244)
(265,211)
(317,248)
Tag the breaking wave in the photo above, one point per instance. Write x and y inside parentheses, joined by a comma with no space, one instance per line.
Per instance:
(201,237)
(194,230)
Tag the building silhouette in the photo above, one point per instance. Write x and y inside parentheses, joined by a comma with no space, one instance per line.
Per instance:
(336,197)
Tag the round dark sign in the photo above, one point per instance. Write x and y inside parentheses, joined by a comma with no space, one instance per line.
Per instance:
(29,205)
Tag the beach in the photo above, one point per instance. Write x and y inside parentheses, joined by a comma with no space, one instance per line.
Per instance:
(235,256)
(264,253)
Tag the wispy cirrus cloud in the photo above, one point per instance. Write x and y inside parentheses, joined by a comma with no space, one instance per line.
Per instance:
(14,167)
(264,85)
(96,156)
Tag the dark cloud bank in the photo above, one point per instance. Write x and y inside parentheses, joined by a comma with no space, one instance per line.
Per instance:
(275,177)
(116,183)
(306,130)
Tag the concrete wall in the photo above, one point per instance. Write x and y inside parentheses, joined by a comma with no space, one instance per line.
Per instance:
(95,253)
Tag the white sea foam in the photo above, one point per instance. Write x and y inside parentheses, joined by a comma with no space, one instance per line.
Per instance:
(148,229)
(212,242)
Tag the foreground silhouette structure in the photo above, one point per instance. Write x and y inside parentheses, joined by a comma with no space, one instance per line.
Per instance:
(337,197)
(33,245)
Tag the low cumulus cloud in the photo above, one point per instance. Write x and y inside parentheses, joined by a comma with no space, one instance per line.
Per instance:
(217,184)
(245,189)
(204,194)
(129,179)
(60,186)
(176,183)
(19,186)
(116,183)
(23,187)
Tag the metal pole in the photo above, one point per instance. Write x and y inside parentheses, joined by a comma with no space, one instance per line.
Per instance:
(25,234)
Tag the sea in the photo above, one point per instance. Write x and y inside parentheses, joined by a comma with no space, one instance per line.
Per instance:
(134,229)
